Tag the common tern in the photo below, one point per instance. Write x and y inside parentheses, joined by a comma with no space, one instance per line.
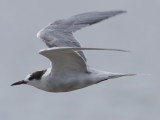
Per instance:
(69,69)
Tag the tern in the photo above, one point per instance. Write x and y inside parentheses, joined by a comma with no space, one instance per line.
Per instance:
(69,69)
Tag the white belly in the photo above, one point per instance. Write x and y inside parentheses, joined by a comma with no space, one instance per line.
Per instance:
(70,83)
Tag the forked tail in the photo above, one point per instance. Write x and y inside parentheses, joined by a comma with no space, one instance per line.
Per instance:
(119,75)
(112,76)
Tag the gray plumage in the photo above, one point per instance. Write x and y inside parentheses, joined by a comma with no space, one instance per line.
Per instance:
(60,32)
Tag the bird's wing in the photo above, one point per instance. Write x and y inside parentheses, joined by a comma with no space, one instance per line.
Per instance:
(59,33)
(66,60)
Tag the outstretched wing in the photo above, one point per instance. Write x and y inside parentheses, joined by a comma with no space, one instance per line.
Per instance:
(66,60)
(59,33)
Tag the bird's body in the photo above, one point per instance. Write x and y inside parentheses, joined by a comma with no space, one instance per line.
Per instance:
(74,81)
(67,82)
(69,70)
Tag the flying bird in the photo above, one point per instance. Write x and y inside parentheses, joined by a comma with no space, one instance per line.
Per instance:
(69,69)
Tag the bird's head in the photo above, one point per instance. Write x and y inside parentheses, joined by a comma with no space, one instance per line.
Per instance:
(31,79)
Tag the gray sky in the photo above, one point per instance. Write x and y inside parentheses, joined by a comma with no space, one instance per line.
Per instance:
(127,98)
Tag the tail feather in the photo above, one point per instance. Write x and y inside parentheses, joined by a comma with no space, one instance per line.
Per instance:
(114,75)
(119,75)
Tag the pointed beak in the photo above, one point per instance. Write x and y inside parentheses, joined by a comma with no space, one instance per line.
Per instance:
(19,83)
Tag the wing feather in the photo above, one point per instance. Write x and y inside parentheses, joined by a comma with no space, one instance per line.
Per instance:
(60,32)
(66,60)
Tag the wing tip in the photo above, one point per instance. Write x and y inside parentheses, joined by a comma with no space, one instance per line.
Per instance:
(118,12)
(122,11)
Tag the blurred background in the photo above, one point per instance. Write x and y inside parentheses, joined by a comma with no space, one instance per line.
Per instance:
(127,98)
